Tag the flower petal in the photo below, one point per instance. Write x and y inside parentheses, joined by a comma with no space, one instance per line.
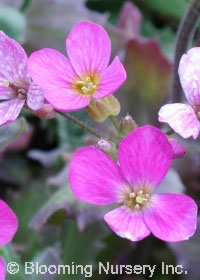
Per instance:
(35,97)
(181,118)
(189,72)
(88,47)
(8,223)
(171,217)
(53,72)
(145,157)
(177,148)
(95,178)
(13,60)
(6,93)
(127,224)
(2,269)
(113,77)
(10,110)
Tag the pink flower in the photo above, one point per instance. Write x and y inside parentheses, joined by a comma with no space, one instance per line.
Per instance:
(69,84)
(144,159)
(16,88)
(184,118)
(8,226)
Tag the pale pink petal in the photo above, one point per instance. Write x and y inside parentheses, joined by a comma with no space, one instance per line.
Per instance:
(189,73)
(53,72)
(88,47)
(127,224)
(171,217)
(113,77)
(10,110)
(35,97)
(6,93)
(95,178)
(145,157)
(2,269)
(8,223)
(177,148)
(13,60)
(181,118)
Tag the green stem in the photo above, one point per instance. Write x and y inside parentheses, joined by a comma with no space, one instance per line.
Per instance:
(25,5)
(170,132)
(184,39)
(80,124)
(115,123)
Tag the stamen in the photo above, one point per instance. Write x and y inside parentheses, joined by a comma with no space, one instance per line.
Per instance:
(86,85)
(139,199)
(6,83)
(88,79)
(136,201)
(80,83)
(137,207)
(20,96)
(132,195)
(85,90)
(140,192)
(91,86)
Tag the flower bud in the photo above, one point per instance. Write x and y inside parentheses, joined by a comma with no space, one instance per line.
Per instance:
(127,125)
(46,112)
(177,148)
(100,109)
(107,147)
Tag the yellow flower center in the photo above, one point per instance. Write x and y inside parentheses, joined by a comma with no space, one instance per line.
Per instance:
(136,200)
(87,85)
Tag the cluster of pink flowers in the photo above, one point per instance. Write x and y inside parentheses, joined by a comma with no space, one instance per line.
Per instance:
(145,155)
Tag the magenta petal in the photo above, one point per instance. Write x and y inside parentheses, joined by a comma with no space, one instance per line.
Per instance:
(10,110)
(35,97)
(189,73)
(13,60)
(53,72)
(181,118)
(113,77)
(8,223)
(2,269)
(127,224)
(95,178)
(177,148)
(145,156)
(88,47)
(171,217)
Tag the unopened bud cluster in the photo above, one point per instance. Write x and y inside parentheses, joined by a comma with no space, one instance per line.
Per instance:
(100,109)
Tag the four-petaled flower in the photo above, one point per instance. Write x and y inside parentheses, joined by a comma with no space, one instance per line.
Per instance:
(16,87)
(184,118)
(144,159)
(8,226)
(69,84)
